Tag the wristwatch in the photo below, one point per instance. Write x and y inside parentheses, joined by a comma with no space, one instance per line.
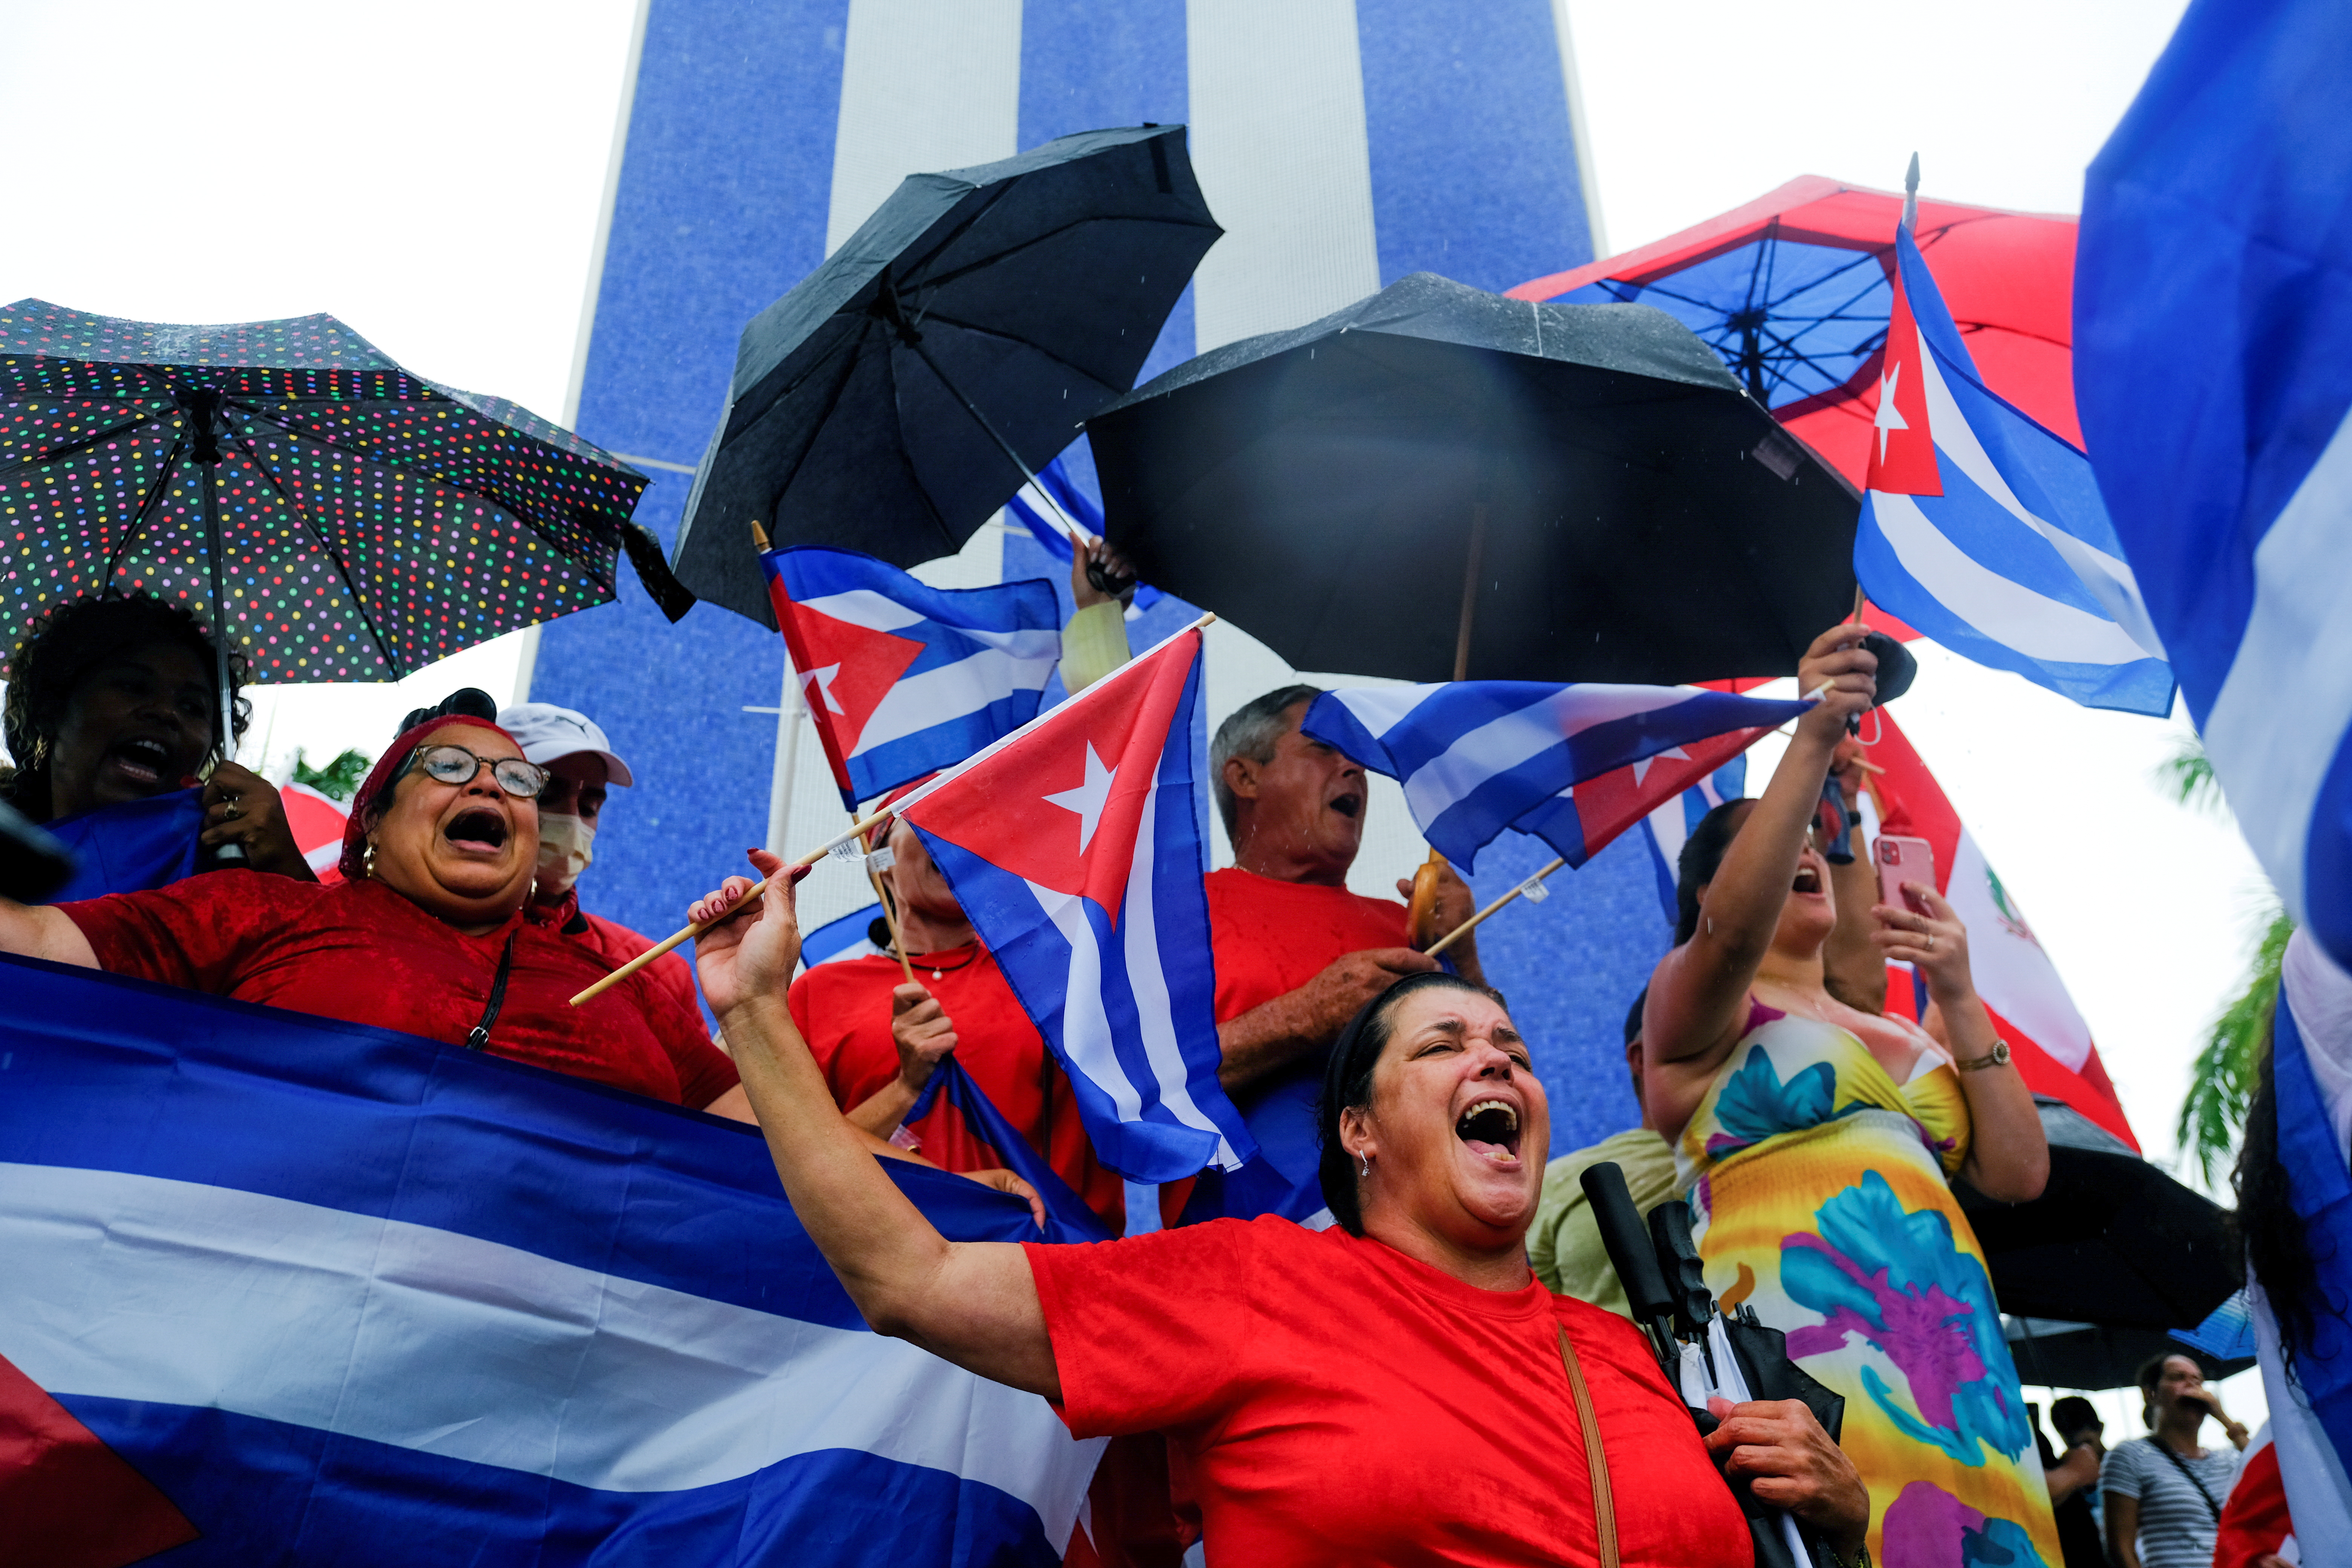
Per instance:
(1996,1057)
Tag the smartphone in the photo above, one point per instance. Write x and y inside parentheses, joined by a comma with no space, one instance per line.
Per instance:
(1902,861)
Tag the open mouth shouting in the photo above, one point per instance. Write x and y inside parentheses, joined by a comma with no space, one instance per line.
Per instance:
(1348,803)
(139,763)
(1491,1128)
(1808,879)
(479,830)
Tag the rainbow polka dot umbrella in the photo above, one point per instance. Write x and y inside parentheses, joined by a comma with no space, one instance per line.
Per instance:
(345,519)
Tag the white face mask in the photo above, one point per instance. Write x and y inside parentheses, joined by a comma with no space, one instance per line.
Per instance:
(564,852)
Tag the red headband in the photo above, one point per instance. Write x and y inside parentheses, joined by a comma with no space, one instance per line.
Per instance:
(353,864)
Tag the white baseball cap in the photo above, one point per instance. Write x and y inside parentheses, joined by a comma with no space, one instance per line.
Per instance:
(545,732)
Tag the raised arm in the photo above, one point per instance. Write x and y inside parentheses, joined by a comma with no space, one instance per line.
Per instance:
(1698,995)
(973,1303)
(33,931)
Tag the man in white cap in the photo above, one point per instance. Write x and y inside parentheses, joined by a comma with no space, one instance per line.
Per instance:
(572,748)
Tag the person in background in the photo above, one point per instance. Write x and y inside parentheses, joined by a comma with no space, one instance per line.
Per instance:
(111,712)
(580,766)
(1819,1142)
(1564,1245)
(877,1038)
(2073,1482)
(2163,1493)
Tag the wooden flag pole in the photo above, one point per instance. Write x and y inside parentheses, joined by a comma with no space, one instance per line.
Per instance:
(857,829)
(1442,943)
(891,918)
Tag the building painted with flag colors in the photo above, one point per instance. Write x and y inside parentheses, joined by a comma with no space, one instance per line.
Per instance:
(1341,145)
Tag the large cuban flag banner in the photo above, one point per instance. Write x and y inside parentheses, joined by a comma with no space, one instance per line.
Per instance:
(1077,847)
(903,679)
(1986,531)
(2213,368)
(300,1292)
(1478,756)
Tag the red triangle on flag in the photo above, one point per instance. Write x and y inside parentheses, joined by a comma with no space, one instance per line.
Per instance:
(1608,806)
(1061,804)
(846,671)
(1902,445)
(68,1500)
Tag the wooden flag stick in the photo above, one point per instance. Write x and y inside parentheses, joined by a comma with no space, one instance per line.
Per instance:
(1442,943)
(891,918)
(859,827)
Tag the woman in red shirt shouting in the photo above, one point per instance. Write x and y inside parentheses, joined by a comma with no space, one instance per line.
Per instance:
(1396,1389)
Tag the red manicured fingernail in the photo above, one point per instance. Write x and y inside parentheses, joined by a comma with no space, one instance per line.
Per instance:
(798,872)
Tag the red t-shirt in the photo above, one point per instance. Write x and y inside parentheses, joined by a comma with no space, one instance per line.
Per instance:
(361,952)
(1335,1401)
(1270,938)
(615,944)
(843,1011)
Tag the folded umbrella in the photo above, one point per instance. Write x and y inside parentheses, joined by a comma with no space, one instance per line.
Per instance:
(339,518)
(1437,482)
(901,393)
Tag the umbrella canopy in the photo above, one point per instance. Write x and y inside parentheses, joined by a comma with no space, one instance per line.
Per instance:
(2085,1355)
(1583,489)
(2112,1240)
(365,521)
(975,309)
(1793,292)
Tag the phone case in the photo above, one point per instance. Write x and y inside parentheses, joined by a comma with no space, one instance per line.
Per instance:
(1901,860)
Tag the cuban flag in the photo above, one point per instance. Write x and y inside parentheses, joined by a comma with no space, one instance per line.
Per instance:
(2213,369)
(1478,756)
(1077,847)
(902,679)
(1986,531)
(1670,825)
(301,1292)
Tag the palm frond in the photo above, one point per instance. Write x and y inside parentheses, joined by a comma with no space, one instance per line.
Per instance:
(2221,1079)
(340,779)
(2188,774)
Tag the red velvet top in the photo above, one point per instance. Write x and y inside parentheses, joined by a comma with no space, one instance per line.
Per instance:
(361,952)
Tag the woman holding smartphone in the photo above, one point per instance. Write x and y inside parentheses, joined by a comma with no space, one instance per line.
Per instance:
(1818,1140)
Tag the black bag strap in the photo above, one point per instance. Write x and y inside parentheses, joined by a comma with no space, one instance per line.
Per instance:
(2182,1466)
(479,1036)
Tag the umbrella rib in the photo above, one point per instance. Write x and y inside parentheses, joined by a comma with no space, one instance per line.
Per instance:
(80,444)
(146,505)
(359,605)
(906,462)
(963,325)
(994,257)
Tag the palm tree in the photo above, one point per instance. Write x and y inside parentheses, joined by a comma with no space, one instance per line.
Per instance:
(2221,1079)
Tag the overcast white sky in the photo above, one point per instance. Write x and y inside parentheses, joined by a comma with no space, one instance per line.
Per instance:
(430,172)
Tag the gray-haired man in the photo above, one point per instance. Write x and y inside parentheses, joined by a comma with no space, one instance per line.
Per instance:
(1296,953)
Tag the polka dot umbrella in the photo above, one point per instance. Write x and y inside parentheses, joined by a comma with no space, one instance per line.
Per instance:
(342,518)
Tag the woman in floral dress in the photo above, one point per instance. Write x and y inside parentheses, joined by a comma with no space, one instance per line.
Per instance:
(1817,1142)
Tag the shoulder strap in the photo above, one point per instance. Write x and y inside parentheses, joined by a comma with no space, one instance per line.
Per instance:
(1604,1502)
(2182,1465)
(480,1035)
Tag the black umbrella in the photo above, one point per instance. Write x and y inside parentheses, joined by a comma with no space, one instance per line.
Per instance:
(337,517)
(901,393)
(1438,481)
(2112,1240)
(2086,1355)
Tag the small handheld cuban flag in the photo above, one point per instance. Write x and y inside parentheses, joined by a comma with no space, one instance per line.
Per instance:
(1986,531)
(903,679)
(2213,367)
(1077,847)
(1478,756)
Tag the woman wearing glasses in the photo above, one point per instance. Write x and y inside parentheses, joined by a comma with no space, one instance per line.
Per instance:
(1816,1139)
(426,934)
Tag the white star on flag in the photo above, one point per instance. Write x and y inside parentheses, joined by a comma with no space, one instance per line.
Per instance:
(1642,768)
(1889,420)
(822,680)
(1089,798)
